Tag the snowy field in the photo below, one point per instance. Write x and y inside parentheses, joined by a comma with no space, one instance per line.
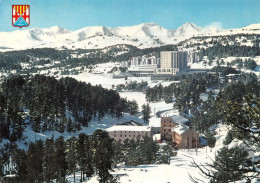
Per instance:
(94,124)
(178,171)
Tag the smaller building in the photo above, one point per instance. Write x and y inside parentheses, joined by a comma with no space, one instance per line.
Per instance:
(175,129)
(123,132)
(185,137)
(167,123)
(143,70)
(232,77)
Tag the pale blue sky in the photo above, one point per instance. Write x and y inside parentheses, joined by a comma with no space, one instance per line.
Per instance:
(75,14)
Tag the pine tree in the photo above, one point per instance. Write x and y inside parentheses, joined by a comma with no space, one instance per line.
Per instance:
(60,158)
(230,165)
(103,154)
(69,125)
(132,107)
(228,138)
(82,154)
(48,161)
(149,148)
(211,139)
(72,155)
(118,153)
(146,110)
(89,157)
(133,153)
(35,162)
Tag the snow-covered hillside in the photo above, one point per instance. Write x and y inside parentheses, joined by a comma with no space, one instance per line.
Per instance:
(144,35)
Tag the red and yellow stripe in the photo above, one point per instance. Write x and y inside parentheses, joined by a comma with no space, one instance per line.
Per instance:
(21,8)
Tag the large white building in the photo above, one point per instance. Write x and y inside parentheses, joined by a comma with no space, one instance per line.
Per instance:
(143,66)
(192,57)
(173,63)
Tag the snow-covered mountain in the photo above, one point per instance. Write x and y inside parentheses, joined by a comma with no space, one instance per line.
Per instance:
(143,36)
(188,30)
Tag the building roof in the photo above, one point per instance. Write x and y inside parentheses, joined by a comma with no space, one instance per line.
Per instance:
(232,75)
(180,119)
(181,128)
(128,128)
(131,123)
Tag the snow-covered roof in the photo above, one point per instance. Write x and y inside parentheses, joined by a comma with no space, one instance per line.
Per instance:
(128,128)
(131,123)
(179,119)
(233,75)
(157,136)
(181,128)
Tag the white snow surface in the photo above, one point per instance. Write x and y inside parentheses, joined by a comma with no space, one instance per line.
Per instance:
(181,128)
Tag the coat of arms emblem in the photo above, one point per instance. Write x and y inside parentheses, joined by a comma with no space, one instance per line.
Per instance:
(21,15)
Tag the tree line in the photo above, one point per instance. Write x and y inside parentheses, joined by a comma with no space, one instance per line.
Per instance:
(47,104)
(186,92)
(220,51)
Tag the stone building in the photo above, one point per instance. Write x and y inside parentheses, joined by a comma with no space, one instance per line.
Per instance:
(167,123)
(175,129)
(185,137)
(123,132)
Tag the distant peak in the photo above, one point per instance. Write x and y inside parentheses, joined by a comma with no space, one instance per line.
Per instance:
(189,24)
(149,24)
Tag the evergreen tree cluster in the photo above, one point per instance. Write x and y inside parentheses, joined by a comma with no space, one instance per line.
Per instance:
(132,85)
(205,115)
(238,106)
(220,51)
(247,64)
(136,152)
(49,104)
(54,159)
(186,92)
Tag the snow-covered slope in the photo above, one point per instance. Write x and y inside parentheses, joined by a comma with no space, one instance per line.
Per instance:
(253,27)
(143,36)
(188,30)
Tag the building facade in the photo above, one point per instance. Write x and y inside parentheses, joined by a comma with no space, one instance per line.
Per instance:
(184,137)
(174,129)
(173,62)
(123,132)
(192,57)
(167,123)
(143,66)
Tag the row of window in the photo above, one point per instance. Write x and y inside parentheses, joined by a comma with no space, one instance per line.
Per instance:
(129,136)
(129,132)
(165,130)
(169,126)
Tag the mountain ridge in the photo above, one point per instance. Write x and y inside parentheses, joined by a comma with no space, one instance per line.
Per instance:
(142,36)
